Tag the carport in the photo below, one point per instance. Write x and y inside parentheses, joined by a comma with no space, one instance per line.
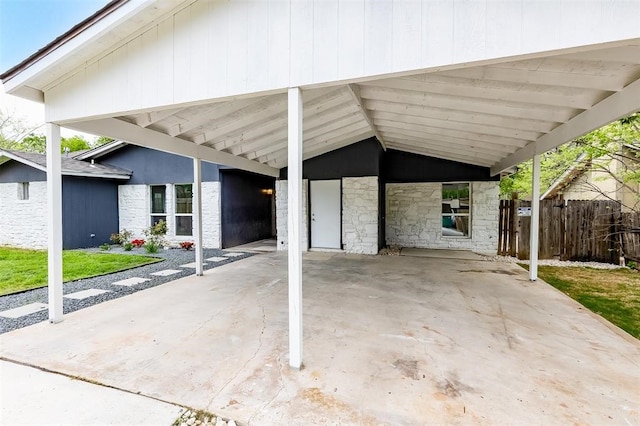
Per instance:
(412,341)
(263,85)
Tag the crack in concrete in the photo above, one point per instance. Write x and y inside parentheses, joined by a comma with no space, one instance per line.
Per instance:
(268,403)
(255,354)
(504,325)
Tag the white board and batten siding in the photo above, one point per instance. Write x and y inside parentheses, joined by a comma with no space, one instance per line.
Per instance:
(218,49)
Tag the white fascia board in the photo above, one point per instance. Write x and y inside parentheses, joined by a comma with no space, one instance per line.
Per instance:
(136,135)
(101,150)
(96,175)
(621,103)
(16,84)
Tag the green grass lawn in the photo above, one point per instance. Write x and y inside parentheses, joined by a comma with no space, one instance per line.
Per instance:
(613,294)
(26,269)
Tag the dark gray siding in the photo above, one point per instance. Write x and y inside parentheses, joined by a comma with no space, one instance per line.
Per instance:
(399,166)
(14,171)
(152,167)
(89,206)
(357,160)
(247,212)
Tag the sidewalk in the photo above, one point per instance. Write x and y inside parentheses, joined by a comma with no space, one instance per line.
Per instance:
(29,396)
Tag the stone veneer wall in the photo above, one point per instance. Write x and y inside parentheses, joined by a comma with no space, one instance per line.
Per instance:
(414,217)
(281,214)
(135,216)
(360,215)
(23,223)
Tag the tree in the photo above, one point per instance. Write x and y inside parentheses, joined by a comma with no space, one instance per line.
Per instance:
(601,147)
(13,130)
(102,140)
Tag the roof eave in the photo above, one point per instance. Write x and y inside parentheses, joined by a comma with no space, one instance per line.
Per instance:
(17,79)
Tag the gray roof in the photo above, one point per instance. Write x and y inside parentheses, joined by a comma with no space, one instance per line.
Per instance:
(70,166)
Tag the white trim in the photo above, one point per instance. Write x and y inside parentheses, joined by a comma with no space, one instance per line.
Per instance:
(535,219)
(294,195)
(54,222)
(196,191)
(101,150)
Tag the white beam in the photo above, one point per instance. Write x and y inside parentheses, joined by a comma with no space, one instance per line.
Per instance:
(354,90)
(54,222)
(294,195)
(499,91)
(424,122)
(119,129)
(458,103)
(624,102)
(462,116)
(535,219)
(197,213)
(148,118)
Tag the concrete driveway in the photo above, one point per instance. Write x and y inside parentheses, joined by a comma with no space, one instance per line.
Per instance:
(388,340)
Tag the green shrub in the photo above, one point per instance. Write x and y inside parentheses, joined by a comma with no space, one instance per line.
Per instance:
(151,247)
(127,246)
(105,247)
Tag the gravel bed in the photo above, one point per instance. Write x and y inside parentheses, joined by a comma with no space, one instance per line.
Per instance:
(172,259)
(553,262)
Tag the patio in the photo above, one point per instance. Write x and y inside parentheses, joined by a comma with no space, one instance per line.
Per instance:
(391,340)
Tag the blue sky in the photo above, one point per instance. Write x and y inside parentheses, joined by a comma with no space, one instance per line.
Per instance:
(28,25)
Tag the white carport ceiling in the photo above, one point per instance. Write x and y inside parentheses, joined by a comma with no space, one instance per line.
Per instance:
(478,115)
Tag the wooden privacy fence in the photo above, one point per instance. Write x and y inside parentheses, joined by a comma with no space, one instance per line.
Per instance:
(574,230)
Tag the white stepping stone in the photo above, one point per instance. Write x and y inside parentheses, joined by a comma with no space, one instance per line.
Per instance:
(216,259)
(233,254)
(79,295)
(131,281)
(190,265)
(25,310)
(166,272)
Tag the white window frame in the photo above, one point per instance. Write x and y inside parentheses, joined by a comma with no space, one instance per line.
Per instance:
(176,214)
(469,215)
(23,191)
(153,214)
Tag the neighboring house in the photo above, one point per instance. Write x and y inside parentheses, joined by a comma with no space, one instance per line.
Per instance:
(360,198)
(119,186)
(236,205)
(596,179)
(89,201)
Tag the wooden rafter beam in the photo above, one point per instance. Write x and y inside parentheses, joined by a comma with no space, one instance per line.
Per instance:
(624,102)
(354,90)
(136,135)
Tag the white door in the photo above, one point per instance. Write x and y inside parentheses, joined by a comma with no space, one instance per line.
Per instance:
(325,213)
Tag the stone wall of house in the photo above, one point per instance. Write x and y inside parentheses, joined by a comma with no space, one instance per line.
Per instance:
(281,214)
(135,212)
(360,215)
(23,223)
(414,217)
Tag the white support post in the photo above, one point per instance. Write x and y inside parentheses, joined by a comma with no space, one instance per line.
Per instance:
(54,222)
(197,213)
(535,219)
(294,226)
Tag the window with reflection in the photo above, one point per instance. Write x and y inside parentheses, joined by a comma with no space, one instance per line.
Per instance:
(456,210)
(184,209)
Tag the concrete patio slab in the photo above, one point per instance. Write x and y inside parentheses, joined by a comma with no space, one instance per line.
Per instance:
(191,265)
(388,340)
(233,254)
(79,295)
(34,397)
(166,272)
(216,259)
(129,282)
(29,309)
